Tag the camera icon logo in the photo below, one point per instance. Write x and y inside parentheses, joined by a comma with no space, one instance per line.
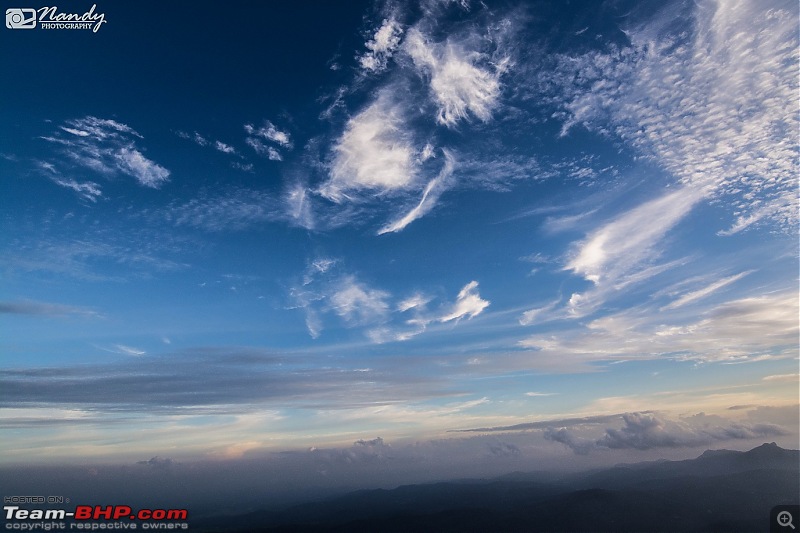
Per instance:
(20,18)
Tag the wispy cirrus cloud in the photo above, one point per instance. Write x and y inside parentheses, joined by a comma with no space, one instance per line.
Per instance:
(203,141)
(124,350)
(741,330)
(415,315)
(89,190)
(325,290)
(298,206)
(263,150)
(385,152)
(460,85)
(468,304)
(235,209)
(383,317)
(98,256)
(98,128)
(271,134)
(623,250)
(705,291)
(357,303)
(720,134)
(196,137)
(724,128)
(430,195)
(106,147)
(132,162)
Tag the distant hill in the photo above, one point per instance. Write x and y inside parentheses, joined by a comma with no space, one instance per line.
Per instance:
(722,490)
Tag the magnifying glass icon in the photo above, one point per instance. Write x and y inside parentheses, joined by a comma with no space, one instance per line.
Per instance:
(785,519)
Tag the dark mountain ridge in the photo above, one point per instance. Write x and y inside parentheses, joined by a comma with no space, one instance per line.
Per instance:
(721,490)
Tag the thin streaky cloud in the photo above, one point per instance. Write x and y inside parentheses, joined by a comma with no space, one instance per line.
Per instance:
(782,377)
(88,190)
(741,330)
(705,291)
(109,148)
(129,350)
(430,196)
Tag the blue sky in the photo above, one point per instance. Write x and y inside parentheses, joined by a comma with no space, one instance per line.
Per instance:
(260,227)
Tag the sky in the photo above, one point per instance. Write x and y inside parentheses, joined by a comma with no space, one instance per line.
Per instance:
(497,234)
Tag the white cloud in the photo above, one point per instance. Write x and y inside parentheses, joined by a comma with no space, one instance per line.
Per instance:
(199,139)
(427,152)
(705,291)
(264,150)
(148,173)
(620,246)
(708,105)
(780,207)
(325,290)
(644,431)
(381,46)
(621,252)
(531,316)
(87,190)
(417,301)
(298,206)
(460,86)
(128,350)
(225,148)
(375,153)
(782,377)
(107,147)
(202,141)
(271,133)
(357,303)
(747,329)
(430,195)
(469,303)
(79,133)
(99,129)
(323,264)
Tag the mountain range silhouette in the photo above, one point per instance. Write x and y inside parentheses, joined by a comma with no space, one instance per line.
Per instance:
(721,490)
